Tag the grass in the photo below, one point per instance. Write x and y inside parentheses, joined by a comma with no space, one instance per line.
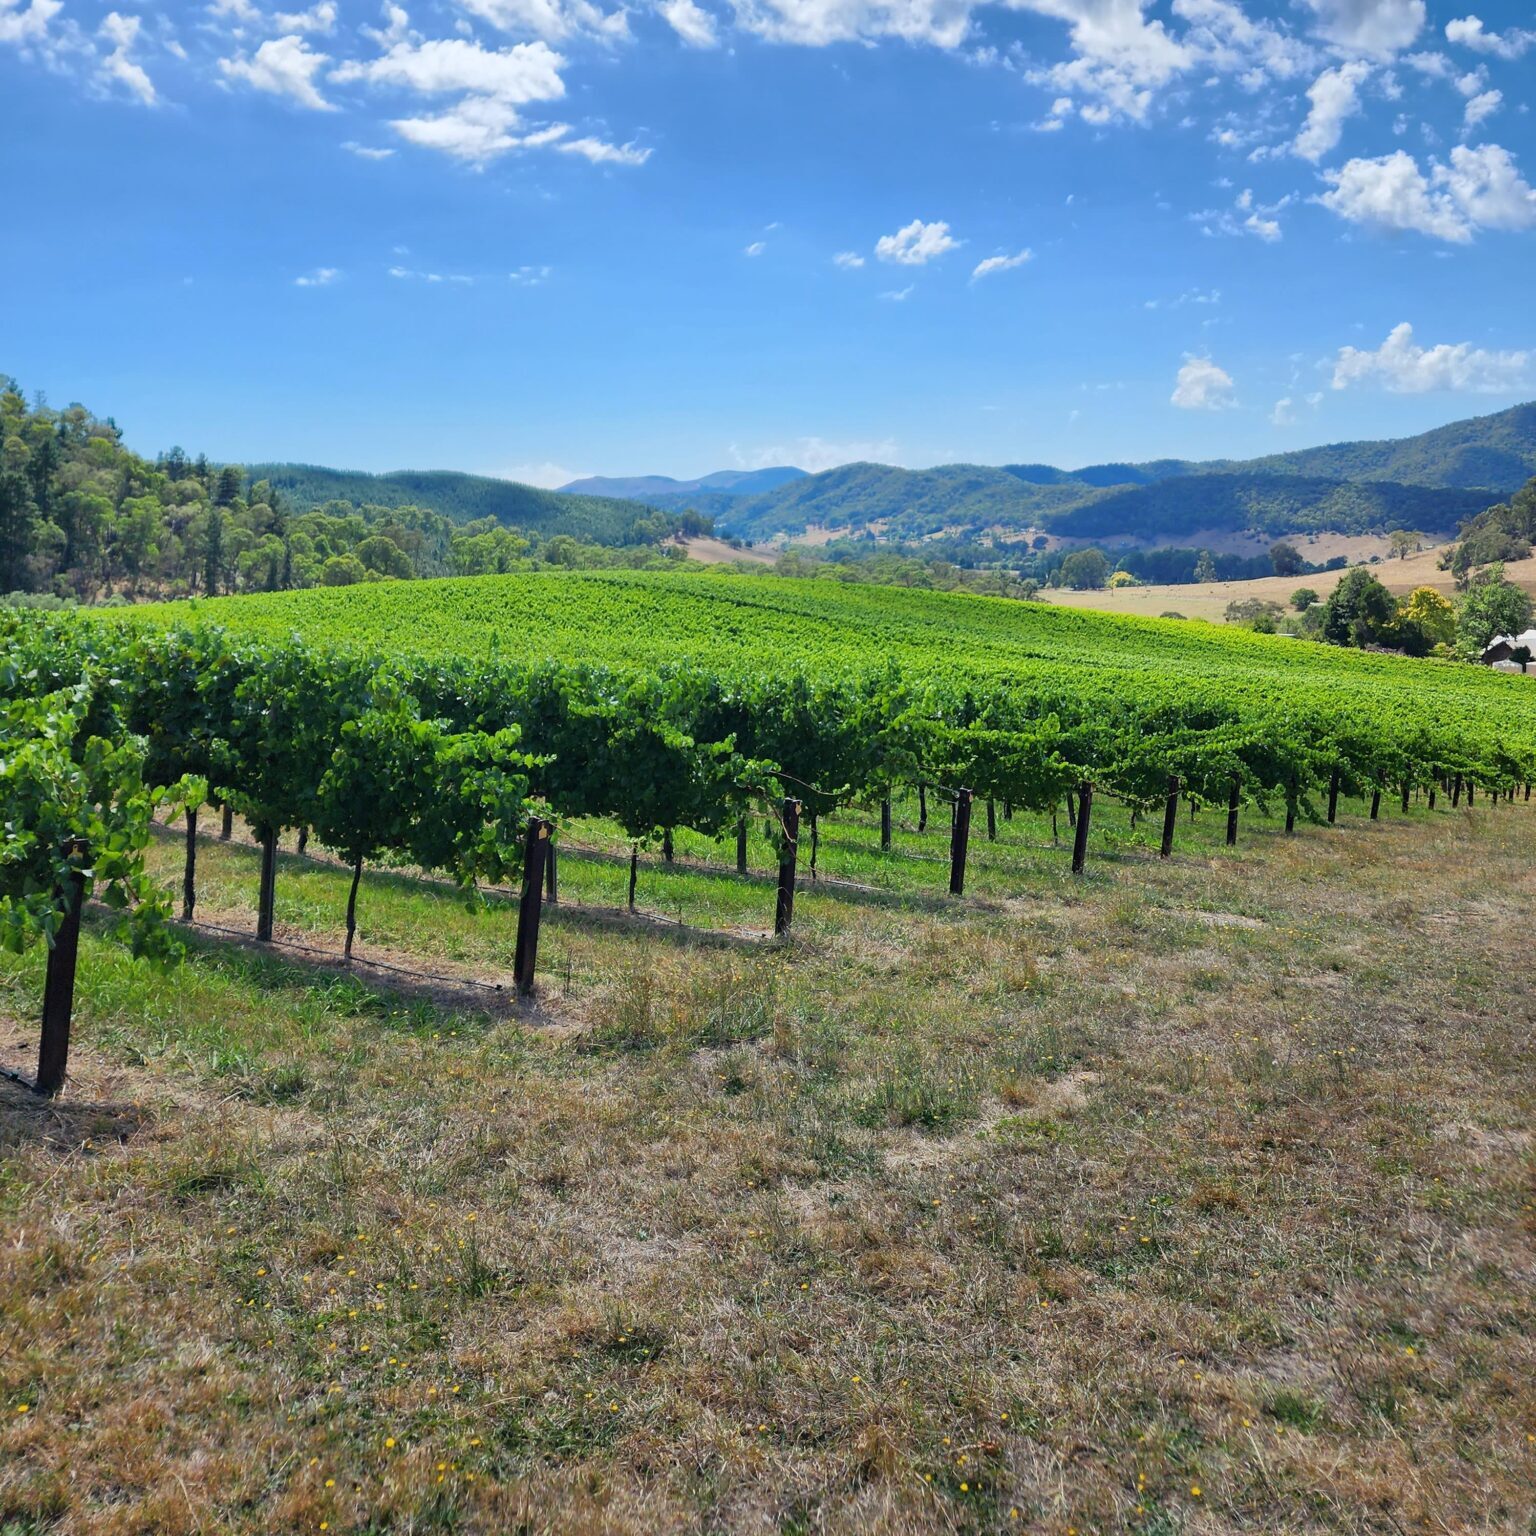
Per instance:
(1037,1211)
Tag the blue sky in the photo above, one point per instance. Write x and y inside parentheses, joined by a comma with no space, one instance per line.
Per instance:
(543,238)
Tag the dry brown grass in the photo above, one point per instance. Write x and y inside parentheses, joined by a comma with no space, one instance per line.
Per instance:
(1196,1197)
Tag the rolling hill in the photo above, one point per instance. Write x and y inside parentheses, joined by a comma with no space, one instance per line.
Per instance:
(464,499)
(1432,482)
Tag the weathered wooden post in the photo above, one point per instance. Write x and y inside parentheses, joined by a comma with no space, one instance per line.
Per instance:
(1233,801)
(885,824)
(922,807)
(59,983)
(741,845)
(189,874)
(530,908)
(1291,795)
(1084,812)
(266,893)
(1333,795)
(959,839)
(991,821)
(1376,803)
(1171,815)
(784,911)
(227,827)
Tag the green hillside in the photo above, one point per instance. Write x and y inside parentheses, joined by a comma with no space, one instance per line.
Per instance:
(462,498)
(1431,482)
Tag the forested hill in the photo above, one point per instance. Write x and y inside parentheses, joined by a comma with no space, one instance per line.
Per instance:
(463,498)
(1432,482)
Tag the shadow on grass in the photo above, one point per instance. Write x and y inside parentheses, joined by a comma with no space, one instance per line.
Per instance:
(63,1125)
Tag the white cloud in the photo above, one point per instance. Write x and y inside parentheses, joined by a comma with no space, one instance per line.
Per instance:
(531,277)
(397,24)
(1469,32)
(1479,189)
(1335,96)
(1481,107)
(318,18)
(123,32)
(1376,27)
(600,153)
(283,66)
(549,476)
(815,454)
(1246,217)
(817,23)
(1405,368)
(1189,296)
(848,260)
(406,274)
(756,248)
(522,73)
(1001,264)
(1224,38)
(916,244)
(1283,415)
(321,277)
(691,22)
(366,151)
(1203,386)
(552,20)
(899,295)
(476,129)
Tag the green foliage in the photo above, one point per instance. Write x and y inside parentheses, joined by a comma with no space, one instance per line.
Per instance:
(1085,570)
(82,517)
(1303,598)
(1359,611)
(1491,606)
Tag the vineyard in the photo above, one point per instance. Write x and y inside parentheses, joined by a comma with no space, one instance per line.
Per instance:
(1175,1193)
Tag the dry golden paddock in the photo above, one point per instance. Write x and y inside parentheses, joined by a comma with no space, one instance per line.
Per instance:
(1193,1198)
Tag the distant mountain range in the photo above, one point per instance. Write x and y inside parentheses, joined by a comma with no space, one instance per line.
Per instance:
(1431,483)
(659,490)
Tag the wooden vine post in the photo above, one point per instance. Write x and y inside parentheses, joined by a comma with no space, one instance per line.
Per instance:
(991,821)
(1291,796)
(1084,811)
(959,840)
(1233,801)
(885,824)
(922,807)
(227,825)
(1170,815)
(741,845)
(59,982)
(784,910)
(1333,795)
(1376,803)
(189,874)
(266,895)
(536,849)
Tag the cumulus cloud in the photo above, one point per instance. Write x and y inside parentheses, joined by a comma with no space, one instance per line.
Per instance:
(1376,27)
(1469,32)
(1405,368)
(1335,96)
(916,244)
(1479,189)
(318,18)
(1479,108)
(1001,264)
(282,66)
(1283,414)
(366,151)
(122,32)
(552,20)
(522,73)
(321,277)
(600,153)
(692,23)
(756,248)
(848,260)
(1203,386)
(1247,216)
